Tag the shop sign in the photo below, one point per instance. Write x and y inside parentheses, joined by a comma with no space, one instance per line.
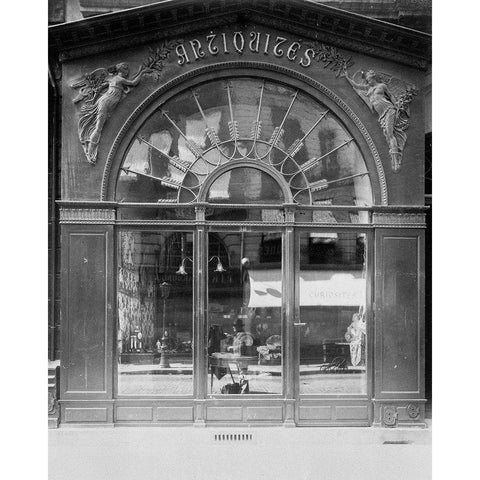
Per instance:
(262,43)
(332,288)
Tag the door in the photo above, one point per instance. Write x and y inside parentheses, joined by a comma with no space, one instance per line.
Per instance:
(244,314)
(331,325)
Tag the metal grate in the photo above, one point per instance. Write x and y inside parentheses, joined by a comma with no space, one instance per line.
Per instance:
(233,437)
(397,442)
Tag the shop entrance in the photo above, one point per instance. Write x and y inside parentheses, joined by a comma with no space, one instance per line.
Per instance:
(245,335)
(331,313)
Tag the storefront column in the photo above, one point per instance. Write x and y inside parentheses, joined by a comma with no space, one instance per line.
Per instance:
(199,315)
(87,315)
(289,329)
(399,394)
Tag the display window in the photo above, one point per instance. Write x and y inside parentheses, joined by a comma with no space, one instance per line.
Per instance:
(332,299)
(155,313)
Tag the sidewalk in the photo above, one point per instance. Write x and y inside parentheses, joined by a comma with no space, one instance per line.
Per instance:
(273,453)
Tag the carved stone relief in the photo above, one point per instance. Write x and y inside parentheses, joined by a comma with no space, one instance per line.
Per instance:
(389,416)
(102,90)
(388,97)
(330,57)
(413,410)
(52,403)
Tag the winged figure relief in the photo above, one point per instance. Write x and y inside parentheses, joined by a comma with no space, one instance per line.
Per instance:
(388,97)
(100,92)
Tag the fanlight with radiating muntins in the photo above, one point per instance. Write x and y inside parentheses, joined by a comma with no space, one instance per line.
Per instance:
(244,119)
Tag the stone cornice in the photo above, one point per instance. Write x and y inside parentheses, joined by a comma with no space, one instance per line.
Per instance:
(177,18)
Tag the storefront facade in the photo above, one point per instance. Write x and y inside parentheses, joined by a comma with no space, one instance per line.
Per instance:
(241,217)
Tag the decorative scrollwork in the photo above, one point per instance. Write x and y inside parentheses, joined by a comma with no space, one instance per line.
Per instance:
(413,410)
(390,416)
(52,404)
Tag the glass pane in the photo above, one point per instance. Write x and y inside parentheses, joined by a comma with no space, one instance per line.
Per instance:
(155,312)
(332,292)
(245,185)
(220,121)
(244,313)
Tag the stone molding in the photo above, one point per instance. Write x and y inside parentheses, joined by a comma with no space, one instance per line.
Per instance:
(87,216)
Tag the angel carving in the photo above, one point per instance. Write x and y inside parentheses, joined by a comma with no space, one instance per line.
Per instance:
(390,98)
(101,90)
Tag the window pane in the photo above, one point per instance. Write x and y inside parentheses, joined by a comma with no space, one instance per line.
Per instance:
(155,311)
(245,185)
(332,291)
(244,313)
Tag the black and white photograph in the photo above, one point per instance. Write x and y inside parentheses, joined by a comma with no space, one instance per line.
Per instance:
(239,241)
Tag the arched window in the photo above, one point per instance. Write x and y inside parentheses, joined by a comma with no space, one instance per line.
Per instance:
(244,119)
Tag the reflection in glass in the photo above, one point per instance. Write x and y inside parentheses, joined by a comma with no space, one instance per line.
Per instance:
(238,119)
(245,185)
(332,292)
(155,312)
(244,315)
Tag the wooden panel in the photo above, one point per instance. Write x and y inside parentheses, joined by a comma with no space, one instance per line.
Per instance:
(84,415)
(86,311)
(134,414)
(174,413)
(265,413)
(399,314)
(224,413)
(315,413)
(351,413)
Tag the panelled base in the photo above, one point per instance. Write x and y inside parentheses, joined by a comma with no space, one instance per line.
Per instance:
(244,412)
(334,412)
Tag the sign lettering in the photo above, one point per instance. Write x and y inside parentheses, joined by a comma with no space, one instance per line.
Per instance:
(240,42)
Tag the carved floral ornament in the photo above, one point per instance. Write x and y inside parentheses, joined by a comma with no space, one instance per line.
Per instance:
(101,90)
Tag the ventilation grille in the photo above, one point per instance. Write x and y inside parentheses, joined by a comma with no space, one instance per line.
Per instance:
(397,442)
(233,437)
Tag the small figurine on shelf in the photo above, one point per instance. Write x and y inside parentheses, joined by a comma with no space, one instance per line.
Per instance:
(355,335)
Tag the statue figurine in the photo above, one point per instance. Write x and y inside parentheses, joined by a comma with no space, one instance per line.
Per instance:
(101,90)
(389,97)
(355,335)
